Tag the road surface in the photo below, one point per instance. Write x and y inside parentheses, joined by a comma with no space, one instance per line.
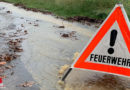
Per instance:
(46,48)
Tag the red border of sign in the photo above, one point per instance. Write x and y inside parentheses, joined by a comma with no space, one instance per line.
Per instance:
(116,15)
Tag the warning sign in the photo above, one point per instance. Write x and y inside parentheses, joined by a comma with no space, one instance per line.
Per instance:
(109,49)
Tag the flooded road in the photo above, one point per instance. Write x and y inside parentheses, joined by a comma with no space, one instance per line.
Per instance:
(46,51)
(46,46)
(49,44)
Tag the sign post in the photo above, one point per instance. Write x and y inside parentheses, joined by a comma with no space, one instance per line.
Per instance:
(109,49)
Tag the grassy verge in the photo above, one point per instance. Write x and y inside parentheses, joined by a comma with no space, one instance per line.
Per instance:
(96,9)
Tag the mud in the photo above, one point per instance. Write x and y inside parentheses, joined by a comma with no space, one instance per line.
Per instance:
(71,34)
(83,19)
(61,27)
(8,12)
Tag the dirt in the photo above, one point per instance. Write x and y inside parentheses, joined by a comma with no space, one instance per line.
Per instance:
(65,35)
(76,54)
(61,27)
(71,34)
(27,84)
(63,68)
(8,12)
(83,19)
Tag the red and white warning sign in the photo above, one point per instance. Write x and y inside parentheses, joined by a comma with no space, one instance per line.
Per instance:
(109,49)
(1,83)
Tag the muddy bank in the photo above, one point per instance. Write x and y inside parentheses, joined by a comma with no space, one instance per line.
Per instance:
(75,18)
(82,19)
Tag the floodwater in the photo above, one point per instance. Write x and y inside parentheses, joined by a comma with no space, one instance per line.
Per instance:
(45,50)
(48,47)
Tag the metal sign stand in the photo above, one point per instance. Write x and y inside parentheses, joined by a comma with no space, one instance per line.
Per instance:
(66,74)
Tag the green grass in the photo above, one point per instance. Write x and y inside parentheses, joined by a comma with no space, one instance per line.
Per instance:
(96,9)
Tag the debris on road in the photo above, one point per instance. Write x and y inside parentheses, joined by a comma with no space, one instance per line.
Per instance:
(9,66)
(97,26)
(2,34)
(22,25)
(3,76)
(8,12)
(27,84)
(61,83)
(11,38)
(61,27)
(29,23)
(12,73)
(36,25)
(76,54)
(1,70)
(71,34)
(25,31)
(81,19)
(63,69)
(2,63)
(65,35)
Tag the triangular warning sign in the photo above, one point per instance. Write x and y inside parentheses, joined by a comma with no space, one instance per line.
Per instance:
(109,49)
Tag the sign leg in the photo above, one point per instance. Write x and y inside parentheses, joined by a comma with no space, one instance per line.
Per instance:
(66,74)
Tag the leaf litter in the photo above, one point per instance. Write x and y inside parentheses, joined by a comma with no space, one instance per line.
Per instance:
(27,84)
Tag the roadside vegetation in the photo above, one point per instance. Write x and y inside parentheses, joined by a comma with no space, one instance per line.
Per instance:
(95,9)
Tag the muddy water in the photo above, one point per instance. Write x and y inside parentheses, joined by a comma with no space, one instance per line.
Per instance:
(45,50)
(9,24)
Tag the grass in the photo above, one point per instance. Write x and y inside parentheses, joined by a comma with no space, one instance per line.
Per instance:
(96,9)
